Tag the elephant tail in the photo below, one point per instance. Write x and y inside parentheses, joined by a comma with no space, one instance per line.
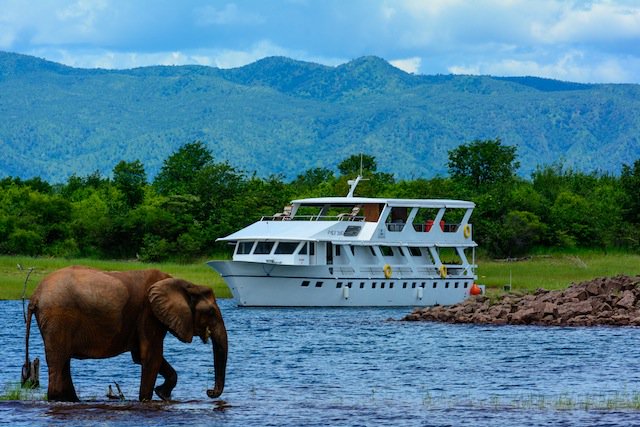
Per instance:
(30,374)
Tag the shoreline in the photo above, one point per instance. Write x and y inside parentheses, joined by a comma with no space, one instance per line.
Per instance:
(604,301)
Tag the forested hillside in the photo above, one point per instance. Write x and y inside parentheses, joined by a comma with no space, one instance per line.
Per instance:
(280,116)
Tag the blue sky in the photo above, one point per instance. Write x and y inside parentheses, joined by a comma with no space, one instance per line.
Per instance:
(583,41)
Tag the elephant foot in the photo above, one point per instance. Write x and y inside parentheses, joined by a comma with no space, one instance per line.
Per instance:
(163,393)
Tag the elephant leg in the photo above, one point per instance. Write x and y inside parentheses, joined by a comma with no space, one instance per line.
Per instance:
(150,371)
(60,383)
(170,380)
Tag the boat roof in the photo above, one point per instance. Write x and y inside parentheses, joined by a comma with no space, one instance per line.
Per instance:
(351,201)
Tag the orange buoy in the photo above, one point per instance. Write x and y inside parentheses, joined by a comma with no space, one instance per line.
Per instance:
(475,290)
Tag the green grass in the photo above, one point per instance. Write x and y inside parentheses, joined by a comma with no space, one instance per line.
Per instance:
(12,279)
(549,271)
(556,270)
(14,391)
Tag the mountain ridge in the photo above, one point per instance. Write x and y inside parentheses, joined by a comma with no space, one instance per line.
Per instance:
(283,116)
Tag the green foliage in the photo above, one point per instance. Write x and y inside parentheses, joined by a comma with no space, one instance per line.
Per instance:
(196,200)
(130,178)
(481,164)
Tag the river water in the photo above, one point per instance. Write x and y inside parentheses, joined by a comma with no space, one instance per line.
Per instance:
(353,367)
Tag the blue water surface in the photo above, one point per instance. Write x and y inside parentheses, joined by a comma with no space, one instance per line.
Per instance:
(352,367)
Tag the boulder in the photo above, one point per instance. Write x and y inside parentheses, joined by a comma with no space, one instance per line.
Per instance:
(601,301)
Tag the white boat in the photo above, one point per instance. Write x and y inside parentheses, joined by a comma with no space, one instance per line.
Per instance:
(354,251)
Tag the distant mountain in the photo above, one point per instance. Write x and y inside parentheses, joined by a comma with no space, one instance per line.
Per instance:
(280,116)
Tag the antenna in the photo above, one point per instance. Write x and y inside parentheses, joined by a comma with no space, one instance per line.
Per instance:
(353,183)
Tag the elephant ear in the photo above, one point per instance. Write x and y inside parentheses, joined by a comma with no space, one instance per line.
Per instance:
(170,304)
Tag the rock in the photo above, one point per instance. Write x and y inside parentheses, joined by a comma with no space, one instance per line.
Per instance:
(627,301)
(601,301)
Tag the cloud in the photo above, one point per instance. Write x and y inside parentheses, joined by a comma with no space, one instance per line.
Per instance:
(575,66)
(596,40)
(409,65)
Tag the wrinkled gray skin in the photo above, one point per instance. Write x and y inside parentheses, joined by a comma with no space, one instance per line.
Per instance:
(85,313)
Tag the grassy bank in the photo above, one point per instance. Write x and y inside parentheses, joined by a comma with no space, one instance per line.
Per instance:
(556,270)
(549,271)
(12,279)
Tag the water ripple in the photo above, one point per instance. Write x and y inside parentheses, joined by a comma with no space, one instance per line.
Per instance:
(354,367)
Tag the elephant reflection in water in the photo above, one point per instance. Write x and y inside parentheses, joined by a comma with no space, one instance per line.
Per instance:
(84,313)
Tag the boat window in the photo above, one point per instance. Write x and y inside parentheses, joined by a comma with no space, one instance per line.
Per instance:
(305,283)
(338,285)
(413,285)
(414,251)
(318,284)
(382,285)
(373,285)
(373,252)
(338,250)
(312,248)
(286,248)
(424,219)
(303,250)
(352,231)
(404,285)
(361,285)
(244,248)
(453,219)
(349,284)
(435,285)
(391,285)
(386,250)
(263,248)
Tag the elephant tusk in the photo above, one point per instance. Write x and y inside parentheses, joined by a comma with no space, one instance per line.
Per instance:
(207,334)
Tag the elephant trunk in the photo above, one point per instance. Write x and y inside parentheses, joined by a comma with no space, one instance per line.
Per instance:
(220,349)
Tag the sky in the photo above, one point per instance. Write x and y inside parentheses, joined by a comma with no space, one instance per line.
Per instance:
(573,40)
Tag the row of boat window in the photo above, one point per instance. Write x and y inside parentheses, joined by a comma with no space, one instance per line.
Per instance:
(288,248)
(405,285)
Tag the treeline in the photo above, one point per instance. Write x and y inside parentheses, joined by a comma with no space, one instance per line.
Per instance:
(194,200)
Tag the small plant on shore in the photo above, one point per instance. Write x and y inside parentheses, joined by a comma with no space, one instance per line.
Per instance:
(16,392)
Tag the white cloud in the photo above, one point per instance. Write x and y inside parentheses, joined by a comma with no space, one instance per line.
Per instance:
(597,21)
(572,66)
(409,65)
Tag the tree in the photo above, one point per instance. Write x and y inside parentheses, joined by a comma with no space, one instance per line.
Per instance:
(353,165)
(130,178)
(630,180)
(483,163)
(179,170)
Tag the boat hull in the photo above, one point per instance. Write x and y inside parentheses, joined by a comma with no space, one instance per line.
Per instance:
(273,285)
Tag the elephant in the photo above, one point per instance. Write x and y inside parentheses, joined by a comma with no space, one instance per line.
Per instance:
(85,313)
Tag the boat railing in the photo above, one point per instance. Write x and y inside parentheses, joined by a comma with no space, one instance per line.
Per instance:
(341,217)
(447,228)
